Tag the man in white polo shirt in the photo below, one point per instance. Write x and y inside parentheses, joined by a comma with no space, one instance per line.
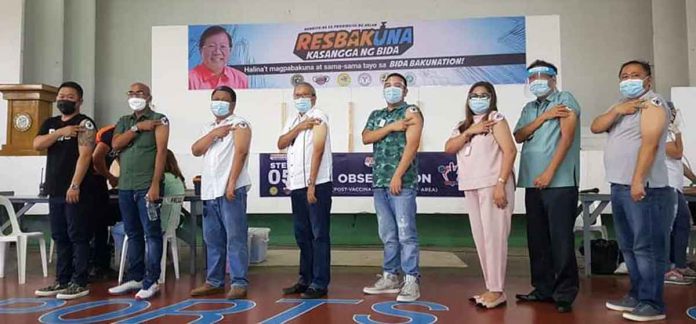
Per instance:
(306,137)
(224,185)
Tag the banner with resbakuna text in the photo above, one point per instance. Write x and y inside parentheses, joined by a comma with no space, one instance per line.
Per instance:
(427,53)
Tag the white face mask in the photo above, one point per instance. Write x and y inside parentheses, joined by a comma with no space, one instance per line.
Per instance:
(137,104)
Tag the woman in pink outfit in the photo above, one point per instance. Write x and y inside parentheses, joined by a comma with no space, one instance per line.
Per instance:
(485,156)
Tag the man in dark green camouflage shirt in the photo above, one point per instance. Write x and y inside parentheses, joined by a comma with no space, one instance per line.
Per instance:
(395,133)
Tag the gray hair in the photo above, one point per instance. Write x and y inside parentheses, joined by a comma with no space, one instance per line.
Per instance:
(308,85)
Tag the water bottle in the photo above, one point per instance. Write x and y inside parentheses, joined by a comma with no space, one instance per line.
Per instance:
(152,207)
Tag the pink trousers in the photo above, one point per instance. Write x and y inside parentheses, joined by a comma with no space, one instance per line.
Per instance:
(490,227)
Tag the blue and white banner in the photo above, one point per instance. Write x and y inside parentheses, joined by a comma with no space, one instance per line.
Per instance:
(352,175)
(428,53)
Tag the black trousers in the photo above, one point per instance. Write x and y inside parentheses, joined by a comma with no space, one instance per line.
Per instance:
(551,217)
(70,232)
(100,218)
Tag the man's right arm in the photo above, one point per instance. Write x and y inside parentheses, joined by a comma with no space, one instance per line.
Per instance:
(44,140)
(122,136)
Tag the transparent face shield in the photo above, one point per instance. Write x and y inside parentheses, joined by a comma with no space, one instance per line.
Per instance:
(538,82)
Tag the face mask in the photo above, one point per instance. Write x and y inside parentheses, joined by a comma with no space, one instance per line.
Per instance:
(303,105)
(137,104)
(479,105)
(393,94)
(66,107)
(631,88)
(220,108)
(539,87)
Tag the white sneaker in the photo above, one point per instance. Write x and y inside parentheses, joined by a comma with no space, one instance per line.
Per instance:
(126,287)
(147,293)
(410,291)
(386,284)
(622,269)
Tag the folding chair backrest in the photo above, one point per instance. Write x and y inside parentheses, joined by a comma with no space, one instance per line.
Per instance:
(171,212)
(7,204)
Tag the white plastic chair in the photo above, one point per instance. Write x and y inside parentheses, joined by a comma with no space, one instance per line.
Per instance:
(171,213)
(21,239)
(596,227)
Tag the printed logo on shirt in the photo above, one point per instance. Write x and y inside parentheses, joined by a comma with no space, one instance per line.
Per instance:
(60,139)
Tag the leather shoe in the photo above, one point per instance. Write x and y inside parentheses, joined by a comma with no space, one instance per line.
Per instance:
(313,293)
(533,297)
(564,307)
(295,289)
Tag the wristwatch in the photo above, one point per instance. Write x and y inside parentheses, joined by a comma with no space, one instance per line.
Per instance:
(74,186)
(134,129)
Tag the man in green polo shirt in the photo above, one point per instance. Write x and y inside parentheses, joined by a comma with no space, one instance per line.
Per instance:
(394,133)
(141,138)
(549,170)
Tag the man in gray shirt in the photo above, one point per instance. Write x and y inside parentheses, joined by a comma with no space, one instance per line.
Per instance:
(642,202)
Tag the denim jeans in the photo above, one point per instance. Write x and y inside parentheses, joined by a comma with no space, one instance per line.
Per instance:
(312,225)
(681,229)
(396,220)
(70,232)
(141,230)
(225,233)
(642,229)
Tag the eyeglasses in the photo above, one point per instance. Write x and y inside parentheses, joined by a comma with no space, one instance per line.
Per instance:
(137,94)
(479,96)
(213,47)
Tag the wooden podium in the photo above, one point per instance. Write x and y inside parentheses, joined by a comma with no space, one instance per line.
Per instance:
(29,105)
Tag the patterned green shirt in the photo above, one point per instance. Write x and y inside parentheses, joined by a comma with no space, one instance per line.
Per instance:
(388,151)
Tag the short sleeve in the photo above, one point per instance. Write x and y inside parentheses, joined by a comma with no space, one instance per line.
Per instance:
(371,122)
(120,126)
(570,102)
(45,127)
(524,119)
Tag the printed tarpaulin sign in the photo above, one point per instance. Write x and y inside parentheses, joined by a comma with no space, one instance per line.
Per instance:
(352,175)
(427,53)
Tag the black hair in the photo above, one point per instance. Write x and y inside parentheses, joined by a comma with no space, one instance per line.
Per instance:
(397,75)
(73,85)
(644,64)
(213,30)
(543,63)
(226,89)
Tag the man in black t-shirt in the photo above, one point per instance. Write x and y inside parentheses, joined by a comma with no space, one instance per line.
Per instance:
(69,141)
(104,213)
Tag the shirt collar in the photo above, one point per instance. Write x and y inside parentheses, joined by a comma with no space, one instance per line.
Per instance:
(227,119)
(401,107)
(146,114)
(207,75)
(554,93)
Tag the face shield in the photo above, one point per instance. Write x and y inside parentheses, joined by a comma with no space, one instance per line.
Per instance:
(538,81)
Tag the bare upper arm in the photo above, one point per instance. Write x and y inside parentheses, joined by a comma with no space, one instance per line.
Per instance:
(162,137)
(413,132)
(652,124)
(503,136)
(569,123)
(87,137)
(242,138)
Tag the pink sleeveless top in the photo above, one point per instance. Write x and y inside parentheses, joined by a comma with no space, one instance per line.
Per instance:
(480,160)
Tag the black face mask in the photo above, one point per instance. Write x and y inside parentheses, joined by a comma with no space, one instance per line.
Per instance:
(66,107)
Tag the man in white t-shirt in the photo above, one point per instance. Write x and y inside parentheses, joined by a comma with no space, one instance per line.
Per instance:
(306,137)
(681,274)
(225,181)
